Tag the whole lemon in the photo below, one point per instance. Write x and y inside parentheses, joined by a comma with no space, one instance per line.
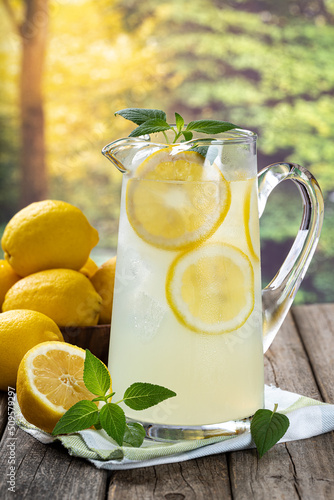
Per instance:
(7,279)
(21,330)
(103,281)
(48,234)
(66,296)
(89,268)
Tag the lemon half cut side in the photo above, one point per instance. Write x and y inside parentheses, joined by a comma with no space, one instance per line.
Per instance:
(211,289)
(176,200)
(50,381)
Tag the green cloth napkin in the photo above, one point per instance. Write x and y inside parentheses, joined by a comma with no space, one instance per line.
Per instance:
(308,418)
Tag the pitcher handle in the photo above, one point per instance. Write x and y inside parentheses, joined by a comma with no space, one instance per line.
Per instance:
(278,295)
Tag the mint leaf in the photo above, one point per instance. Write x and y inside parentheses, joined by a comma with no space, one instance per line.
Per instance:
(179,122)
(187,135)
(150,127)
(268,427)
(141,115)
(140,396)
(96,376)
(210,126)
(80,416)
(202,150)
(134,434)
(112,419)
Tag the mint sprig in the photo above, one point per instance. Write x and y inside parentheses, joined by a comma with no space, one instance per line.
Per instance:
(267,428)
(110,417)
(151,121)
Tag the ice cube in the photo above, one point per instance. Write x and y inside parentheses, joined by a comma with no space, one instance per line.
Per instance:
(148,316)
(131,271)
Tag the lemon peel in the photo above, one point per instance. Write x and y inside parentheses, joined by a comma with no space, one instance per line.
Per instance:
(20,330)
(103,281)
(66,296)
(8,277)
(48,234)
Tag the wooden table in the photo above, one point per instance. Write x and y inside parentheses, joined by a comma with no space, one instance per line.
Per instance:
(301,360)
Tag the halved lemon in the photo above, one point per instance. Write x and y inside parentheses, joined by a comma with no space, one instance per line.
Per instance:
(251,220)
(211,289)
(172,214)
(49,382)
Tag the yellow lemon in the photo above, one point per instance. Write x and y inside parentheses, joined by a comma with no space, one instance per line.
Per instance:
(173,214)
(251,220)
(48,234)
(103,281)
(89,268)
(49,382)
(211,289)
(66,296)
(7,279)
(21,330)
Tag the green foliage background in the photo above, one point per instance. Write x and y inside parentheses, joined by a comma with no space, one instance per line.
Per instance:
(265,65)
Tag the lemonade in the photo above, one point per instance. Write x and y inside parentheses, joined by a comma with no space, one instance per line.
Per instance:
(187,301)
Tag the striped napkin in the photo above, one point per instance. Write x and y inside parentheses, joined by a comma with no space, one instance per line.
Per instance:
(308,418)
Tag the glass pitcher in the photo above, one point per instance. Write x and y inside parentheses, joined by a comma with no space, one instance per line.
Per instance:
(189,312)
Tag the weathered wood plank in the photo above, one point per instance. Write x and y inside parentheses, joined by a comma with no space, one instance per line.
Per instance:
(133,483)
(315,324)
(202,479)
(271,477)
(44,471)
(82,481)
(287,364)
(312,463)
(294,470)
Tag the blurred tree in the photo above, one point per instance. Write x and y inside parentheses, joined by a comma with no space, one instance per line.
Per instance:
(9,121)
(33,33)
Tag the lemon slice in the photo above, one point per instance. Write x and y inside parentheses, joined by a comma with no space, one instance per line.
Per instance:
(173,214)
(251,221)
(50,381)
(211,289)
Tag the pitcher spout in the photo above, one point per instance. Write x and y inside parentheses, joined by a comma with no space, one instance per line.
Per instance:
(117,153)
